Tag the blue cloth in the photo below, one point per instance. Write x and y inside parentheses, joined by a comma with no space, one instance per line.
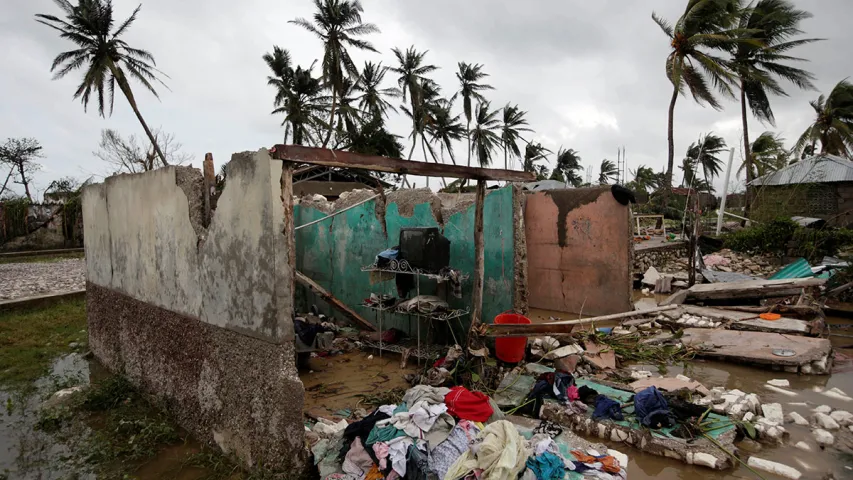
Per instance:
(547,466)
(651,408)
(607,408)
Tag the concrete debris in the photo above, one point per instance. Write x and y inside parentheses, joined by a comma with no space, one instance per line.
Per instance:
(774,467)
(823,438)
(541,346)
(826,422)
(538,369)
(836,393)
(567,364)
(669,384)
(803,446)
(779,383)
(640,374)
(773,412)
(651,276)
(843,417)
(781,390)
(796,418)
(563,351)
(823,409)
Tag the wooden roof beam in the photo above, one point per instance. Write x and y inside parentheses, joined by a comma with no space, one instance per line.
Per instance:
(339,158)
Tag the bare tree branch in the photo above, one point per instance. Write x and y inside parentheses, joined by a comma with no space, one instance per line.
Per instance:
(20,154)
(132,155)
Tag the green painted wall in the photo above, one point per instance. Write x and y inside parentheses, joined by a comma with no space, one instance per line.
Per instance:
(332,253)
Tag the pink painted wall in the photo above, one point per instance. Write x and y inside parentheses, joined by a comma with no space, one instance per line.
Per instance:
(581,263)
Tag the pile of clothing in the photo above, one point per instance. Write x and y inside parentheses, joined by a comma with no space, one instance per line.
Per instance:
(439,433)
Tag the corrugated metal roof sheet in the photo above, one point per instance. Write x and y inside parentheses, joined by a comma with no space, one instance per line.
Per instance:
(797,269)
(817,169)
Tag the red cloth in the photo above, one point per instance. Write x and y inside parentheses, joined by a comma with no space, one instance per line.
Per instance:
(467,405)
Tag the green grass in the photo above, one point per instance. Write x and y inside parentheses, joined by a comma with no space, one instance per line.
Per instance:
(31,339)
(41,258)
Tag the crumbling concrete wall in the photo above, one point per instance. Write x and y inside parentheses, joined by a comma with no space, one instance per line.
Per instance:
(200,319)
(578,251)
(332,252)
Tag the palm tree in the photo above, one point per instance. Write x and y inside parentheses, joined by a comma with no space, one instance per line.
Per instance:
(535,152)
(483,137)
(372,99)
(279,63)
(607,172)
(445,128)
(303,106)
(371,138)
(833,124)
(338,24)
(348,114)
(704,27)
(468,76)
(512,124)
(568,164)
(107,59)
(705,154)
(768,155)
(645,179)
(772,23)
(412,71)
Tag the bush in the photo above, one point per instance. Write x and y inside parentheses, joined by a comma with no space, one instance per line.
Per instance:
(784,236)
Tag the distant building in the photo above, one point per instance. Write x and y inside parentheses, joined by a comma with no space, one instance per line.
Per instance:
(818,187)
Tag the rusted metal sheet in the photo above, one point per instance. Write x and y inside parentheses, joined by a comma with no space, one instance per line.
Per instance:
(338,158)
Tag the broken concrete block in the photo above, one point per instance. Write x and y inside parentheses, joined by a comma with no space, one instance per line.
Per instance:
(803,446)
(774,467)
(513,389)
(737,392)
(567,364)
(780,390)
(824,438)
(775,433)
(823,409)
(748,417)
(837,394)
(540,346)
(753,402)
(779,383)
(640,374)
(806,369)
(682,378)
(795,417)
(623,459)
(704,459)
(843,417)
(563,351)
(773,412)
(826,422)
(651,277)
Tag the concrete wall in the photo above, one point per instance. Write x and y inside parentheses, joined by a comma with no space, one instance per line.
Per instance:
(200,318)
(578,251)
(332,252)
(832,202)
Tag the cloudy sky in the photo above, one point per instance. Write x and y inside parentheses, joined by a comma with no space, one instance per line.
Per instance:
(590,74)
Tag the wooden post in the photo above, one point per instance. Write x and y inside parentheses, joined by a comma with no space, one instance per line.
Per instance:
(288,224)
(209,182)
(479,264)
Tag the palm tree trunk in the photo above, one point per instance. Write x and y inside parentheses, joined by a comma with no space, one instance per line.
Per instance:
(468,134)
(125,88)
(331,117)
(506,165)
(671,144)
(414,142)
(423,147)
(747,155)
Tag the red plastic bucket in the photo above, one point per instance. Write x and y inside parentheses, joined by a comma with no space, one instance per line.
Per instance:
(511,349)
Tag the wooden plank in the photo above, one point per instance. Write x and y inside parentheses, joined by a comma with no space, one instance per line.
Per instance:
(334,302)
(479,265)
(561,326)
(338,158)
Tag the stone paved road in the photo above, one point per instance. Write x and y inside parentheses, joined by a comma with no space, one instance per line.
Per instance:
(27,279)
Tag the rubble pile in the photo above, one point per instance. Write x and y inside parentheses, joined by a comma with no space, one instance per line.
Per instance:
(728,261)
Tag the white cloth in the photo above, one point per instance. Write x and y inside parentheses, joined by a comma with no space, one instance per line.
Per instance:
(326,428)
(398,448)
(387,409)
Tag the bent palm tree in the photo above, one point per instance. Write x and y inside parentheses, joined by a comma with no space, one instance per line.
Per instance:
(338,24)
(412,71)
(607,172)
(445,128)
(833,124)
(468,76)
(568,164)
(768,155)
(512,124)
(304,106)
(281,79)
(772,23)
(372,99)
(704,27)
(705,154)
(107,59)
(484,138)
(535,152)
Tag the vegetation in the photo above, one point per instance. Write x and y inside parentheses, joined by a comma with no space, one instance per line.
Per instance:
(469,75)
(767,154)
(533,153)
(608,172)
(128,155)
(833,124)
(512,124)
(103,53)
(776,236)
(704,154)
(567,167)
(31,339)
(759,65)
(19,154)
